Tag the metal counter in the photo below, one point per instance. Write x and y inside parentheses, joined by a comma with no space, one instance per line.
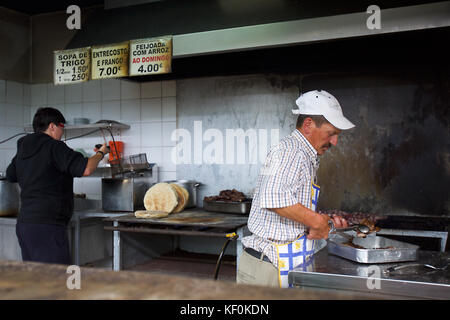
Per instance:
(334,273)
(9,246)
(76,221)
(190,222)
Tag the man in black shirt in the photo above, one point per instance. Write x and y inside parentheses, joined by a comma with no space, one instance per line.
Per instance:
(45,167)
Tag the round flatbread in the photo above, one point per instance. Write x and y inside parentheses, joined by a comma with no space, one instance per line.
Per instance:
(182,201)
(186,194)
(161,197)
(150,214)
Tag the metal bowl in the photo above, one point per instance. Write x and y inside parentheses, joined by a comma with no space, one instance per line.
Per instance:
(77,121)
(191,186)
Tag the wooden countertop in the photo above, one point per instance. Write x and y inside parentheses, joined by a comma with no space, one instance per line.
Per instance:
(29,280)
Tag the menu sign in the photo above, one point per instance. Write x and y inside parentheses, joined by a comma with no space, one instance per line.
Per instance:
(110,61)
(71,66)
(150,56)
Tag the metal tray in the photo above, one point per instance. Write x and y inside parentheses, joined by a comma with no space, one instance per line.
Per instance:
(375,249)
(228,207)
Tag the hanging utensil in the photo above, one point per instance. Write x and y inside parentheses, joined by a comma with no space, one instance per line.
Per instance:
(98,146)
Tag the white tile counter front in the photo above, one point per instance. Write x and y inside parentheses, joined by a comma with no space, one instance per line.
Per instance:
(9,245)
(87,239)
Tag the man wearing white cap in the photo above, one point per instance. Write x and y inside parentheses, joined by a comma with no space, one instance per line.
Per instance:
(282,220)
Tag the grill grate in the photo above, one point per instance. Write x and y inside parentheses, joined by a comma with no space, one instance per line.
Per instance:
(132,163)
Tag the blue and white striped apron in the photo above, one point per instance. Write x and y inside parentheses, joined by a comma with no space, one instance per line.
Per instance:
(298,252)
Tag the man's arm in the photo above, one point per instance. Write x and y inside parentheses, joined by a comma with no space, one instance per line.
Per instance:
(317,223)
(11,174)
(94,161)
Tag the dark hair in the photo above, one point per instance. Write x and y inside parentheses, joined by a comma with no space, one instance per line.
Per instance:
(45,116)
(318,120)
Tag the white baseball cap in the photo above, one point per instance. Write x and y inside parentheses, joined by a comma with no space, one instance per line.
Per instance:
(320,102)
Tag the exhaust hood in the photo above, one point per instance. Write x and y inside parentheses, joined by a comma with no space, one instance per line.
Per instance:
(134,22)
(203,30)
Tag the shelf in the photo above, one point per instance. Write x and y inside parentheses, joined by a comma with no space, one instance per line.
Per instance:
(102,125)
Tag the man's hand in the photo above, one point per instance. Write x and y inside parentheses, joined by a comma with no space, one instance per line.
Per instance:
(322,232)
(94,161)
(104,148)
(321,228)
(339,222)
(317,223)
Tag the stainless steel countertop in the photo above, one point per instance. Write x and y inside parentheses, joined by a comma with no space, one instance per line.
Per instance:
(332,272)
(77,215)
(99,213)
(96,213)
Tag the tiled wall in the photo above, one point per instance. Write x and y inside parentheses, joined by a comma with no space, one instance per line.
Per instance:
(149,108)
(14,107)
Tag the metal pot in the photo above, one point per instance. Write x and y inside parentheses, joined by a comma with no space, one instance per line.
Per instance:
(9,198)
(191,186)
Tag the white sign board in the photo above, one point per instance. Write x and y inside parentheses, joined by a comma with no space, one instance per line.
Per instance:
(150,56)
(71,66)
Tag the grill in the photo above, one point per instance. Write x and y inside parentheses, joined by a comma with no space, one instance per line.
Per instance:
(133,163)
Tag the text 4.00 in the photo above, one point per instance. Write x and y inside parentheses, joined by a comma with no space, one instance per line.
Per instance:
(150,68)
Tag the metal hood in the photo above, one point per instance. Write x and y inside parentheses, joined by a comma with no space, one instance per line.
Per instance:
(174,18)
(215,38)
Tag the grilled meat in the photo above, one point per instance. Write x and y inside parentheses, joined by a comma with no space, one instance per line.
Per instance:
(228,196)
(368,219)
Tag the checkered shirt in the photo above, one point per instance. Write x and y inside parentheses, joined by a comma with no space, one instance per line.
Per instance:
(285,179)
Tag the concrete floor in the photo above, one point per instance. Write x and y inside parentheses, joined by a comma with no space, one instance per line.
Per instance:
(182,263)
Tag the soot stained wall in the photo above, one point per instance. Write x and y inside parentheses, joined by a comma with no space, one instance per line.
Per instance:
(396,159)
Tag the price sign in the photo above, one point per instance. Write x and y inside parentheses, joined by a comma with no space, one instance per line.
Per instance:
(110,61)
(71,66)
(150,56)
